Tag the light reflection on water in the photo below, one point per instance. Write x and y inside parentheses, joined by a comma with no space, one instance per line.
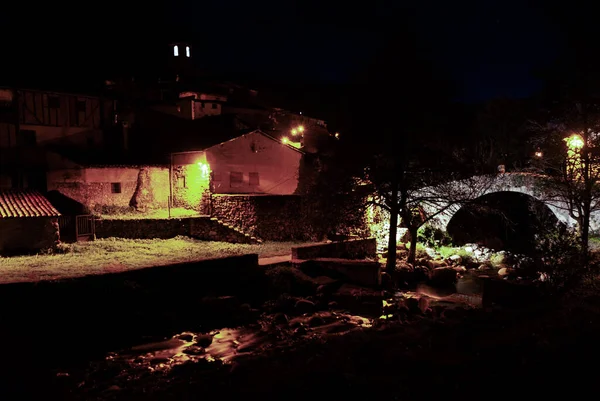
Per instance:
(226,344)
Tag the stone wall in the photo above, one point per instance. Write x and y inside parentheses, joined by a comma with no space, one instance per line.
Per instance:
(202,228)
(268,217)
(351,249)
(28,234)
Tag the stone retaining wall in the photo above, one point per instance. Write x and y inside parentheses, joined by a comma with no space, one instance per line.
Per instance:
(269,217)
(202,228)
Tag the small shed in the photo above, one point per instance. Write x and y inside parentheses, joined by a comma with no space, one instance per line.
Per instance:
(28,222)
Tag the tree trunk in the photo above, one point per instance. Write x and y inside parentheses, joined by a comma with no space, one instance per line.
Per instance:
(412,252)
(585,231)
(391,258)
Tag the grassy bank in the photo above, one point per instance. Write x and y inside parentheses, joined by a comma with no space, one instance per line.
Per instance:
(117,254)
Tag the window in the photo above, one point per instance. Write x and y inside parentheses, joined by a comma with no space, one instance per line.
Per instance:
(187,51)
(181,182)
(81,106)
(115,187)
(53,102)
(176,50)
(214,105)
(253,179)
(236,179)
(27,138)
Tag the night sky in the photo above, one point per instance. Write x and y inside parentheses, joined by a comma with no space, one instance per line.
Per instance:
(489,47)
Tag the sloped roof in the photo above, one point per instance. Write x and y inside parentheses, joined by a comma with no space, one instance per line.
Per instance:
(24,203)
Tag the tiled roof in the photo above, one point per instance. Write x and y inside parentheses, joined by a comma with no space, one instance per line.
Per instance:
(24,203)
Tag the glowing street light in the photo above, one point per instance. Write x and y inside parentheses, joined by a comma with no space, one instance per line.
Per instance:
(538,154)
(300,128)
(574,142)
(285,140)
(294,131)
(204,168)
(337,135)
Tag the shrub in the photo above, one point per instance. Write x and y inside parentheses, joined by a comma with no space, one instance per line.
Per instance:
(433,236)
(498,260)
(558,259)
(447,251)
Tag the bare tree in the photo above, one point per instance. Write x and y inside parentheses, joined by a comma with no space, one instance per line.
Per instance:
(420,195)
(567,152)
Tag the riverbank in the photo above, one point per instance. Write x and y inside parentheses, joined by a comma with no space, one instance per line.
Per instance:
(117,254)
(470,354)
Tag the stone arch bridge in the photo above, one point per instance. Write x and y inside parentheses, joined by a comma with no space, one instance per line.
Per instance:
(476,187)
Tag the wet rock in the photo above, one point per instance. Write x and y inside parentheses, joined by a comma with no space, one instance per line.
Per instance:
(450,314)
(204,340)
(185,337)
(457,259)
(304,306)
(438,310)
(424,303)
(194,350)
(421,273)
(332,305)
(300,331)
(460,269)
(280,318)
(315,321)
(285,304)
(444,276)
(412,304)
(484,266)
(359,299)
(114,387)
(386,281)
(505,271)
(434,264)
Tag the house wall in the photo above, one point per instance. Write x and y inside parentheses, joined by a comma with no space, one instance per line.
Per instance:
(203,108)
(140,187)
(7,135)
(59,116)
(276,164)
(28,234)
(191,182)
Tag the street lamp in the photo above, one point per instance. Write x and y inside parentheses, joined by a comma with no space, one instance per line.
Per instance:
(574,142)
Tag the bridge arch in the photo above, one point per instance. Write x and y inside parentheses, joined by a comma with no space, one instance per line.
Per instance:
(524,183)
(506,220)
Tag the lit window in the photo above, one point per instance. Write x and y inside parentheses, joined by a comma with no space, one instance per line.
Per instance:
(187,51)
(115,187)
(236,178)
(253,179)
(176,50)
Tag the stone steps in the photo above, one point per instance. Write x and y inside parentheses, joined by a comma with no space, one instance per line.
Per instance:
(251,239)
